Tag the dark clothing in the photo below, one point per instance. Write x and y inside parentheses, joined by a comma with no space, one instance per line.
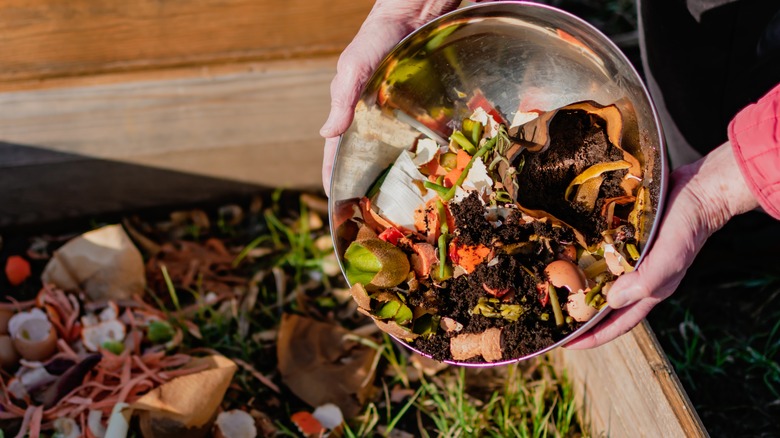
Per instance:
(711,58)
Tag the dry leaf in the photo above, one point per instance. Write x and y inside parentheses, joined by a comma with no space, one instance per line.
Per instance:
(104,263)
(189,401)
(320,365)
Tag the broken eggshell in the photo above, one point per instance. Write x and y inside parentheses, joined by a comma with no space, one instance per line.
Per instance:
(577,307)
(97,335)
(563,273)
(33,335)
(235,424)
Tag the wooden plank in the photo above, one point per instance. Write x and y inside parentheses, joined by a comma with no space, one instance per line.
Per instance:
(628,388)
(47,39)
(255,126)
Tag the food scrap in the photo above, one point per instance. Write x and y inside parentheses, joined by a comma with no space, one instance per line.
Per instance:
(502,242)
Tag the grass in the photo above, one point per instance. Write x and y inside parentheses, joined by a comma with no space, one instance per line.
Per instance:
(721,329)
(290,275)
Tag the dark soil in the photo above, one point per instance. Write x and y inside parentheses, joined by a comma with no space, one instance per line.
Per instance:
(519,272)
(577,141)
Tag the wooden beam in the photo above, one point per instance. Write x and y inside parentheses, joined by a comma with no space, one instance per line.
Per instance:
(273,111)
(43,39)
(628,388)
(250,126)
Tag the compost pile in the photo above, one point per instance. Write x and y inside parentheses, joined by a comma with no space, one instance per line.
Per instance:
(501,242)
(181,325)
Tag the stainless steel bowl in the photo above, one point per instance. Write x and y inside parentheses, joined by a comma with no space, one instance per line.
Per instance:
(520,56)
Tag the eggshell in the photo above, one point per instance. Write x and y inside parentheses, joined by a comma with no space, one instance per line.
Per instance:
(35,339)
(563,273)
(8,355)
(96,335)
(5,316)
(238,424)
(578,309)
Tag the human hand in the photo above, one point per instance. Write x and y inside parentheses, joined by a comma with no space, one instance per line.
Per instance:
(388,23)
(703,196)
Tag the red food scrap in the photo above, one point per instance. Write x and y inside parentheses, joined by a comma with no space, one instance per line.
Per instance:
(480,101)
(544,293)
(17,269)
(423,259)
(496,292)
(391,235)
(307,424)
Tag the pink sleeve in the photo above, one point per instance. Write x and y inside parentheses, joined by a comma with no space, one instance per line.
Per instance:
(755,139)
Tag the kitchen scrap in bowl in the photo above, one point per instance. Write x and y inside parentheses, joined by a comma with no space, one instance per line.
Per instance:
(504,168)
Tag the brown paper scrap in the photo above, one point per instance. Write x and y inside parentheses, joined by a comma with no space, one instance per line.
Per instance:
(191,400)
(104,263)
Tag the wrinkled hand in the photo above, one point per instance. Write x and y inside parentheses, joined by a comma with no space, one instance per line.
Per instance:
(703,196)
(388,23)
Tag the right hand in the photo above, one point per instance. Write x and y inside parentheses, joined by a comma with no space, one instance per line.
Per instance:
(388,23)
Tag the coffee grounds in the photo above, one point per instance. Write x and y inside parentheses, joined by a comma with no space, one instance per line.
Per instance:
(519,272)
(578,140)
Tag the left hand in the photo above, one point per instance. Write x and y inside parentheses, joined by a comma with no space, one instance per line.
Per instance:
(703,196)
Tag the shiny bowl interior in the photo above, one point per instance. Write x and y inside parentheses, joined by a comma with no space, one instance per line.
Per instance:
(520,56)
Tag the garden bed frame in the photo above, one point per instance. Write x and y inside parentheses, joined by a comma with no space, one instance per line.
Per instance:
(109,107)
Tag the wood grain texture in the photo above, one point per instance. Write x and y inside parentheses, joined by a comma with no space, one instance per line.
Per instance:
(46,39)
(228,126)
(628,388)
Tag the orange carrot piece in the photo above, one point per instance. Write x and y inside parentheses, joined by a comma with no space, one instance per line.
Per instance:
(469,256)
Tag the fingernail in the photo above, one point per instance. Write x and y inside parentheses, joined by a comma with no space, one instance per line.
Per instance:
(327,128)
(617,298)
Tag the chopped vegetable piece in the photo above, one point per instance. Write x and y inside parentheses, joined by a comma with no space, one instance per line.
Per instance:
(426,324)
(116,347)
(473,130)
(438,188)
(376,262)
(391,235)
(388,310)
(494,308)
(632,251)
(482,151)
(463,142)
(555,304)
(17,269)
(595,290)
(469,256)
(160,332)
(378,183)
(448,160)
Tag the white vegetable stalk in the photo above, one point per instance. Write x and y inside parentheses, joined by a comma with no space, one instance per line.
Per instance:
(399,196)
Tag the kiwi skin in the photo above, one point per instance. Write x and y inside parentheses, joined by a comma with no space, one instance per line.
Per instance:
(395,263)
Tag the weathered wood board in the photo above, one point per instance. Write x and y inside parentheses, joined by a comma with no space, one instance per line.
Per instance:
(628,388)
(255,125)
(43,39)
